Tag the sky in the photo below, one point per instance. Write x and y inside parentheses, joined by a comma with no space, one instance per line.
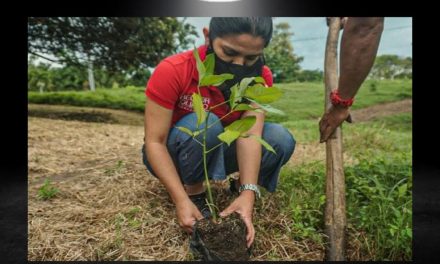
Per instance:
(310,35)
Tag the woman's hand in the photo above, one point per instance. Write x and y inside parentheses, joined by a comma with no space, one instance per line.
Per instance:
(244,206)
(187,214)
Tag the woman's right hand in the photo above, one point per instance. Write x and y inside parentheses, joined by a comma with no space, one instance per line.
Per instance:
(187,214)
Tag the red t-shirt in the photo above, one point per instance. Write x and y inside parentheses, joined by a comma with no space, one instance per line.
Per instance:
(175,79)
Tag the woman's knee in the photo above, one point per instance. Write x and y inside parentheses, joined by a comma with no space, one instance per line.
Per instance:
(190,121)
(280,139)
(214,127)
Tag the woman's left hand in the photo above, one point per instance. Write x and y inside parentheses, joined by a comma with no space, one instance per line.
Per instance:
(244,206)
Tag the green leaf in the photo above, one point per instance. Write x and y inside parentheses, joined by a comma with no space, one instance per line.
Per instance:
(228,136)
(233,96)
(244,83)
(272,110)
(268,108)
(209,63)
(263,95)
(215,80)
(264,143)
(196,133)
(185,130)
(244,107)
(198,108)
(242,125)
(200,66)
(259,79)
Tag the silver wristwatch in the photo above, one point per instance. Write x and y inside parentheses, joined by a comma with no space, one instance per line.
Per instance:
(252,187)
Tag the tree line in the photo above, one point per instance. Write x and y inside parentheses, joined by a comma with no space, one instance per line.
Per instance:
(119,51)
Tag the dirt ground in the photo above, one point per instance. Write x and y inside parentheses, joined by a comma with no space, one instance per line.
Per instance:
(375,111)
(110,208)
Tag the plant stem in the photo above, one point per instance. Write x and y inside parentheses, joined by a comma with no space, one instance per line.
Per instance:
(195,139)
(205,167)
(209,150)
(217,105)
(220,119)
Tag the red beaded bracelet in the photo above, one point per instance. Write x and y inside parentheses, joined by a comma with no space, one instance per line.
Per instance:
(337,100)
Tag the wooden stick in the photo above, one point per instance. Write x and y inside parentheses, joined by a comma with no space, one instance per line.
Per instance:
(335,216)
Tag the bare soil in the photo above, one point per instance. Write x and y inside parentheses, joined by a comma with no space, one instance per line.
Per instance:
(86,114)
(380,110)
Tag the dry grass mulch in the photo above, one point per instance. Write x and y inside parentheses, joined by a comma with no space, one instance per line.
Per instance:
(110,208)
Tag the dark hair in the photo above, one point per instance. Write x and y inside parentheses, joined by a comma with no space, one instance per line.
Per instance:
(256,26)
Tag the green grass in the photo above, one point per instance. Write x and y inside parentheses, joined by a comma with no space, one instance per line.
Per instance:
(390,134)
(378,186)
(116,169)
(306,100)
(300,100)
(379,202)
(304,131)
(129,98)
(399,122)
(47,190)
(399,127)
(302,189)
(386,91)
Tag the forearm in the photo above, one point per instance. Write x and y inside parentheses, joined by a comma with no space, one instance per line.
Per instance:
(359,44)
(162,164)
(249,152)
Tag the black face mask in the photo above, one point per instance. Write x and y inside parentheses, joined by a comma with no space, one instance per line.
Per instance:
(239,72)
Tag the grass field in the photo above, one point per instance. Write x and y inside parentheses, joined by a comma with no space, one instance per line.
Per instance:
(300,100)
(128,98)
(378,168)
(378,173)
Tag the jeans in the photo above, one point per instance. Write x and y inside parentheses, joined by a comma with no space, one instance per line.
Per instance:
(187,153)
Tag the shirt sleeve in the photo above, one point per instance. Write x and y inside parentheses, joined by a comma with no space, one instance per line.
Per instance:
(267,76)
(163,86)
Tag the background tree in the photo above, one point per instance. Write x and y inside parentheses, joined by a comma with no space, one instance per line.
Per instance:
(121,45)
(309,76)
(279,55)
(391,67)
(44,78)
